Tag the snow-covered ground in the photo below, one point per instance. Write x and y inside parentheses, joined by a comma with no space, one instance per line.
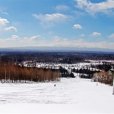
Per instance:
(68,67)
(75,96)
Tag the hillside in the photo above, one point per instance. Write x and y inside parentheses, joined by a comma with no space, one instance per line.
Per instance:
(84,95)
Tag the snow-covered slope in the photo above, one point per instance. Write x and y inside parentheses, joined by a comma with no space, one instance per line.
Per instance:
(84,95)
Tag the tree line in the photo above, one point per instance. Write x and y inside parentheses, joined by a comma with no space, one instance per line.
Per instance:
(10,72)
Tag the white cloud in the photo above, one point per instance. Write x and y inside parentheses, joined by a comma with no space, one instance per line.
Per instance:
(11,28)
(50,18)
(62,8)
(3,21)
(111,36)
(35,37)
(56,41)
(17,41)
(10,39)
(14,37)
(6,26)
(96,34)
(77,26)
(104,6)
(79,43)
(31,39)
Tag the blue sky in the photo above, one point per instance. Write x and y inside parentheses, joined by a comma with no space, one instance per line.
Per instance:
(57,23)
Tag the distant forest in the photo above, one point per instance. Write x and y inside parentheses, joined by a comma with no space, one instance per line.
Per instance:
(54,57)
(11,69)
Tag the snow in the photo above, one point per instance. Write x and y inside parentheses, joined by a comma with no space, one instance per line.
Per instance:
(68,67)
(69,96)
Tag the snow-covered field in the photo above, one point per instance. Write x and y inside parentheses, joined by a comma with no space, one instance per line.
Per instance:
(71,96)
(68,67)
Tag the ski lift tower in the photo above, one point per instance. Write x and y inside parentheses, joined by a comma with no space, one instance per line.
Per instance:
(112,70)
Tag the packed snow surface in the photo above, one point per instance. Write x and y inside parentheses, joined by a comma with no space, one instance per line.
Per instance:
(84,95)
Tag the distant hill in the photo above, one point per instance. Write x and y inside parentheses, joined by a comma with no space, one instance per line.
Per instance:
(55,49)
